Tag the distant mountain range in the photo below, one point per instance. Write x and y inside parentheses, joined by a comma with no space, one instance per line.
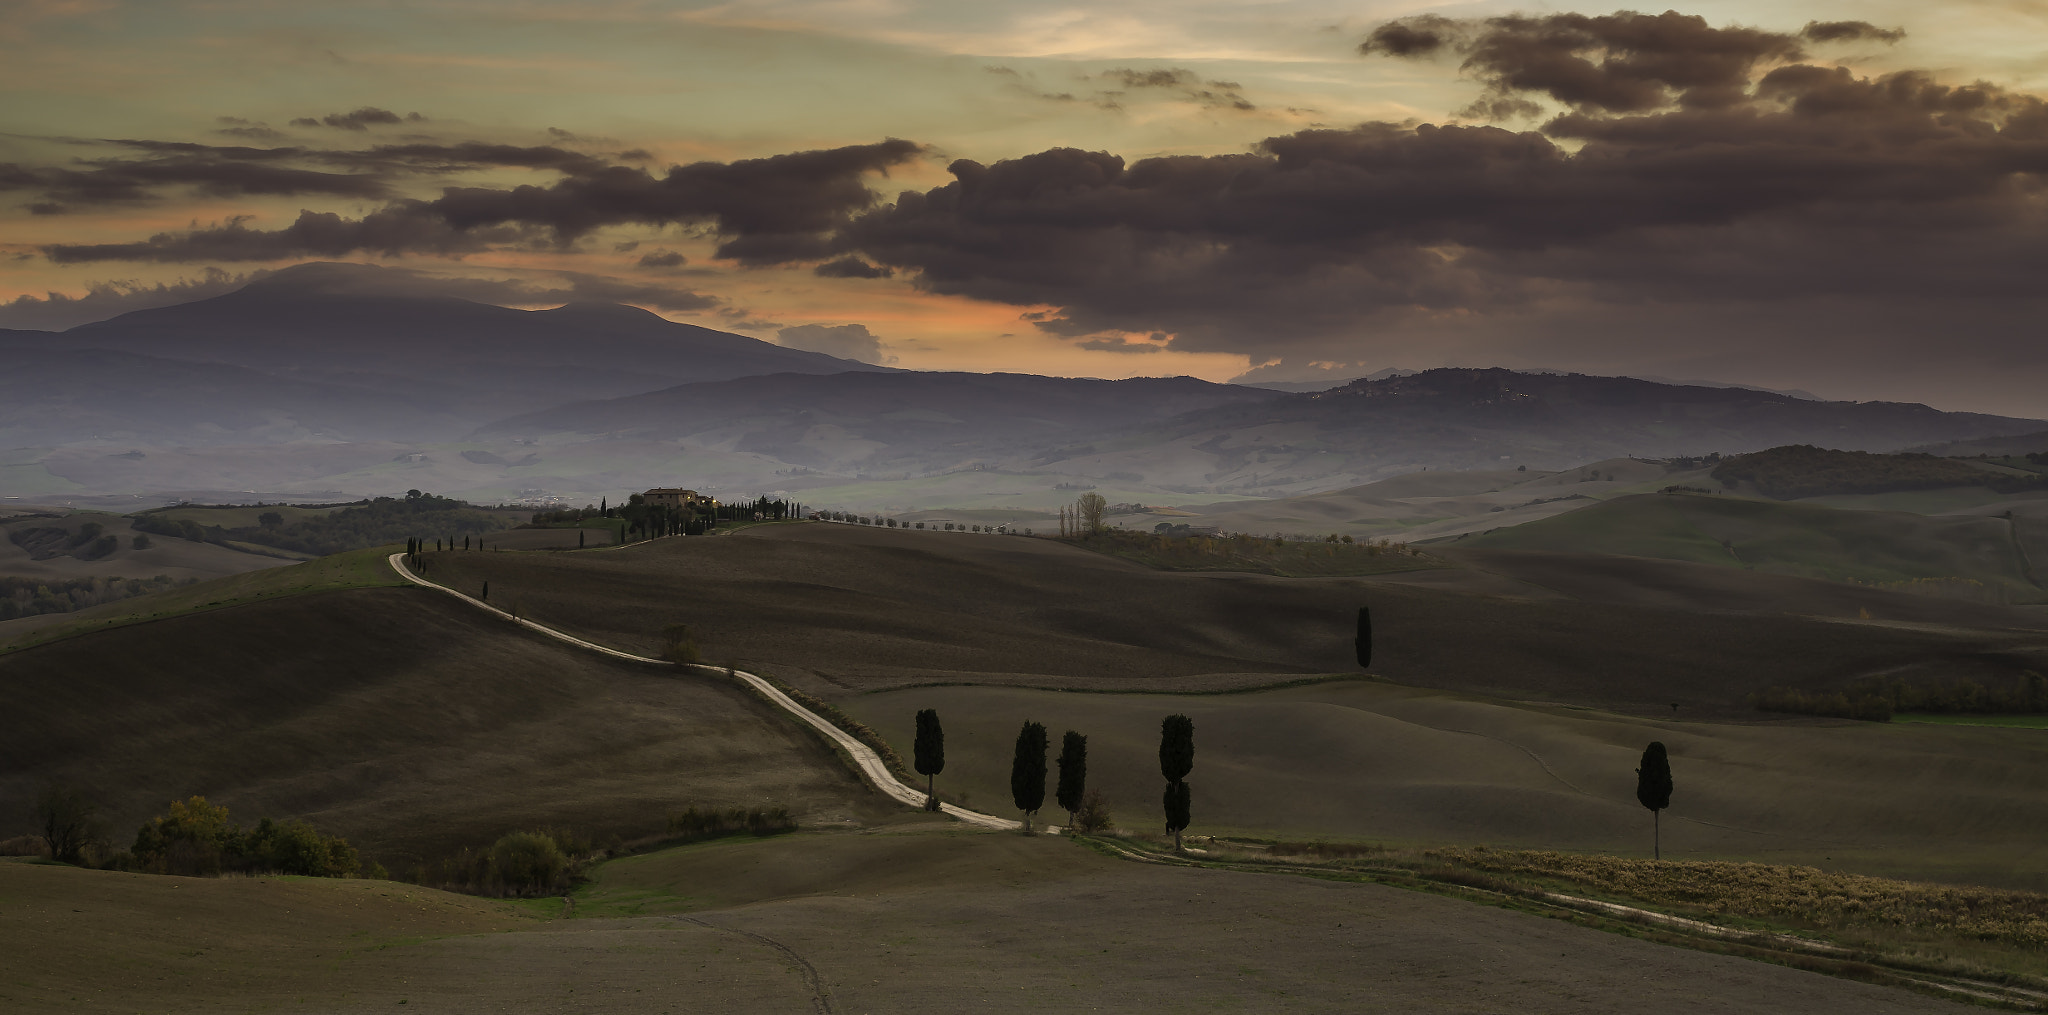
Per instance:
(317,350)
(401,390)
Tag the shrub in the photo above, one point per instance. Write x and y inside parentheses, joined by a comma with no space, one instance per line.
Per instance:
(1094,814)
(529,863)
(678,646)
(194,837)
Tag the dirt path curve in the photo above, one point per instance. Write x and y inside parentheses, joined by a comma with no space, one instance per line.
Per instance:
(864,757)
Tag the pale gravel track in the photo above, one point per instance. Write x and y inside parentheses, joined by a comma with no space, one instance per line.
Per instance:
(864,757)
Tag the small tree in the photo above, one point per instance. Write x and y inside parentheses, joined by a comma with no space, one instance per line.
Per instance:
(1653,790)
(1091,505)
(1073,774)
(678,646)
(69,826)
(930,750)
(1027,772)
(1176,760)
(1364,638)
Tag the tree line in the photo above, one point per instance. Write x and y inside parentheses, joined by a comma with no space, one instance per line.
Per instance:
(376,522)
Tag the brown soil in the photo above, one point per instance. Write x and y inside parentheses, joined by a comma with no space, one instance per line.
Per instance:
(919,921)
(399,718)
(841,608)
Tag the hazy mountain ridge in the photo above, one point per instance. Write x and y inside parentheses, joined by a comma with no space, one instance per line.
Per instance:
(896,421)
(415,367)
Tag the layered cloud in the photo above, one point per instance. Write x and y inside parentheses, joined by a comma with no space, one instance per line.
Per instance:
(1679,163)
(768,210)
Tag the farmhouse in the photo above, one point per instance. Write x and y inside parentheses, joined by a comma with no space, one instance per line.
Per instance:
(678,498)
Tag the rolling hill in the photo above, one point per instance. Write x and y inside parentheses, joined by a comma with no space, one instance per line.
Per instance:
(408,723)
(1981,557)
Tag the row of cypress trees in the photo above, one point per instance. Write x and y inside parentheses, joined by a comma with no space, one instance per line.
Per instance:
(1177,759)
(1028,768)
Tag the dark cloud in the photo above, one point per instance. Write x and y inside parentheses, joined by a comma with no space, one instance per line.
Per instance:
(846,341)
(153,170)
(400,228)
(57,311)
(200,169)
(1849,31)
(360,119)
(851,267)
(662,259)
(235,126)
(769,210)
(1184,84)
(1693,167)
(1421,35)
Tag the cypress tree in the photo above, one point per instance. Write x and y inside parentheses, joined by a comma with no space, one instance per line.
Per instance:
(1073,774)
(931,754)
(1364,638)
(1176,760)
(1175,804)
(1653,790)
(1027,772)
(487,591)
(580,534)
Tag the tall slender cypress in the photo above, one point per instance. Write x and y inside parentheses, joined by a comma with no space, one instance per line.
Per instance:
(1176,760)
(930,752)
(1027,772)
(1364,638)
(1073,774)
(1653,790)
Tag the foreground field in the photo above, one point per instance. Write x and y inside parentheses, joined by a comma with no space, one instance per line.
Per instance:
(892,920)
(398,718)
(840,609)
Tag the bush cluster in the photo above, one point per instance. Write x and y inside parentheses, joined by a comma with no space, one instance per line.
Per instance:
(377,522)
(195,838)
(520,864)
(1877,699)
(1802,470)
(694,825)
(29,597)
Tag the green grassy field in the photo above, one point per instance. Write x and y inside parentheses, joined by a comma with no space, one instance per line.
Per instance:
(1874,547)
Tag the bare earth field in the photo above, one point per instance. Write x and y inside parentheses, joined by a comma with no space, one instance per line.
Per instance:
(914,919)
(842,609)
(1362,761)
(398,718)
(1513,696)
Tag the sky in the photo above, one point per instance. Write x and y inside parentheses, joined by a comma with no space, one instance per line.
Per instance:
(1845,198)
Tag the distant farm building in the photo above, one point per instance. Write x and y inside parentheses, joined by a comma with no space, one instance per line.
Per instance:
(678,499)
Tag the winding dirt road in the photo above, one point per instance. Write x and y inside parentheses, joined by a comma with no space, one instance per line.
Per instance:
(864,757)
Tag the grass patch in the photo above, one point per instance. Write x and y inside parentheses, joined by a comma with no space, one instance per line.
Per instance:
(1968,930)
(2023,722)
(351,570)
(1259,554)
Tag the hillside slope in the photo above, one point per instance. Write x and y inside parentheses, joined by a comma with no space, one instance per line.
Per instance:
(1984,558)
(839,609)
(398,718)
